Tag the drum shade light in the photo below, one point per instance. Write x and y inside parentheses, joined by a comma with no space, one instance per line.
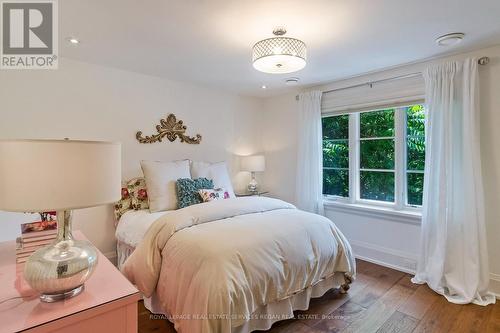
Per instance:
(279,55)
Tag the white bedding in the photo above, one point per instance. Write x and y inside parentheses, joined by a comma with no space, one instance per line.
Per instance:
(133,226)
(213,266)
(130,232)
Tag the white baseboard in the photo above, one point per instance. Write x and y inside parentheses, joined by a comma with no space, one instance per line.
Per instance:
(383,256)
(495,284)
(401,261)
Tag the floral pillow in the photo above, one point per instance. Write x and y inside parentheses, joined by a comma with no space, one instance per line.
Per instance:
(125,203)
(211,195)
(134,197)
(187,190)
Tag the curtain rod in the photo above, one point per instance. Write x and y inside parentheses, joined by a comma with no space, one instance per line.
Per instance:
(480,61)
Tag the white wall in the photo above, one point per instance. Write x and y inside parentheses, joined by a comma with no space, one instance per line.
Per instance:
(279,139)
(84,101)
(391,242)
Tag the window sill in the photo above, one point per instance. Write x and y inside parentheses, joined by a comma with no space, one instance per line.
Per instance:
(386,213)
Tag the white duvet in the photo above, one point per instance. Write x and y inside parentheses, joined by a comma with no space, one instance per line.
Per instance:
(213,264)
(134,224)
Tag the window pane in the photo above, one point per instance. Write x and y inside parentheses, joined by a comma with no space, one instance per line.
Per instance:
(415,120)
(336,127)
(415,147)
(415,188)
(377,185)
(377,124)
(377,154)
(415,140)
(336,153)
(336,182)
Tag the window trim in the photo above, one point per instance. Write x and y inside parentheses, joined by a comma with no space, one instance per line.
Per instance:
(400,204)
(410,216)
(399,158)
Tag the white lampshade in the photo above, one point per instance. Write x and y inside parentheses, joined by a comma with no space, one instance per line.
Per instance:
(55,175)
(255,163)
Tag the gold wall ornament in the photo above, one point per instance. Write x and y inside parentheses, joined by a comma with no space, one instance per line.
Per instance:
(172,129)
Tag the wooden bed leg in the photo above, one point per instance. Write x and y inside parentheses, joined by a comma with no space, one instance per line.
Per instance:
(345,287)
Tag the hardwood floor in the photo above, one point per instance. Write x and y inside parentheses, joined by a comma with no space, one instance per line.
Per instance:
(380,300)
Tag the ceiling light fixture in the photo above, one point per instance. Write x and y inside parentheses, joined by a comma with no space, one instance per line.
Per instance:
(73,40)
(450,39)
(279,55)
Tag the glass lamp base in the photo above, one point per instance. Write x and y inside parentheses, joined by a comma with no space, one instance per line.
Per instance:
(59,270)
(50,298)
(253,186)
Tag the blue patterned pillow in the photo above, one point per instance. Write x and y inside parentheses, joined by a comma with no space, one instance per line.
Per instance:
(187,190)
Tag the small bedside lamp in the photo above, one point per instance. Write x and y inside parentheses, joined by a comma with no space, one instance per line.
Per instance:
(59,175)
(253,164)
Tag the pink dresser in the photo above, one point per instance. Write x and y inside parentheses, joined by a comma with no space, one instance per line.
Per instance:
(108,303)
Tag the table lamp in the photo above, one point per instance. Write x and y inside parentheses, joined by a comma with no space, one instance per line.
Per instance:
(253,164)
(59,175)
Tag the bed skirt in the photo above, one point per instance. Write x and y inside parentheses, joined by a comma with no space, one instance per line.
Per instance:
(123,251)
(266,315)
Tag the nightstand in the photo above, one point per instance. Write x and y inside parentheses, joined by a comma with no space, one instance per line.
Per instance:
(108,303)
(252,194)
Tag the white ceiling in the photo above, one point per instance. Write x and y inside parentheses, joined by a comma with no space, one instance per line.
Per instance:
(209,42)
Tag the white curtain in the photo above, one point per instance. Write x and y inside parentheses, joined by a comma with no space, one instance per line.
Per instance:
(309,180)
(453,259)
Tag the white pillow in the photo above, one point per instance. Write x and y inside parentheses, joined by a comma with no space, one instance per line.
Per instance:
(160,182)
(217,172)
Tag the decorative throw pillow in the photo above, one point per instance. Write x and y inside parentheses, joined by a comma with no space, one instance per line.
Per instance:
(137,189)
(160,180)
(125,203)
(215,171)
(211,195)
(187,190)
(134,197)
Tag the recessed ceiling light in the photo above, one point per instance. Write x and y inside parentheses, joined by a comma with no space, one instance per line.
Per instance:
(73,40)
(264,86)
(450,39)
(292,81)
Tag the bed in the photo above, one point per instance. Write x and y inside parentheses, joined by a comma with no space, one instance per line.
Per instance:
(130,231)
(232,266)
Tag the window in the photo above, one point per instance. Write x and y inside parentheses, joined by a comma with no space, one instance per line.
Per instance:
(375,156)
(336,155)
(415,154)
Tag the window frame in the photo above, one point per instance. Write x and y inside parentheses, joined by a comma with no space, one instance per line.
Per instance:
(400,161)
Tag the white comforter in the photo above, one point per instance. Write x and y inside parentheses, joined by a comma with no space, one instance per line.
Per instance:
(134,224)
(211,265)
